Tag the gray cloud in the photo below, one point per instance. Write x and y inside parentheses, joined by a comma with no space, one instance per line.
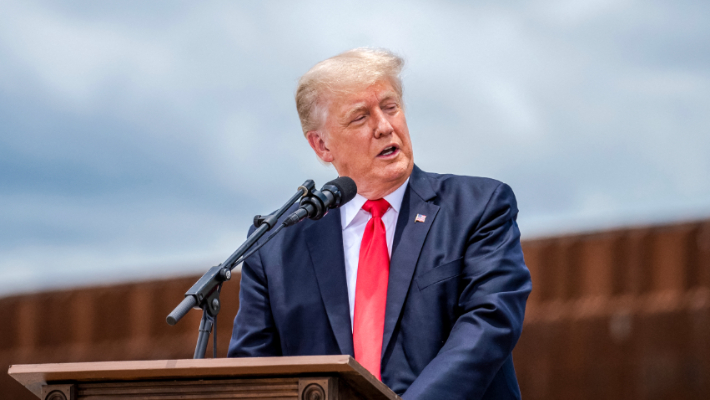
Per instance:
(139,139)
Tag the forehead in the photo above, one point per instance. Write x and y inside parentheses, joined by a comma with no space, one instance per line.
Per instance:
(355,97)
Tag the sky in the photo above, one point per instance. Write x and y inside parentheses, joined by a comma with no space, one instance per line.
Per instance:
(138,139)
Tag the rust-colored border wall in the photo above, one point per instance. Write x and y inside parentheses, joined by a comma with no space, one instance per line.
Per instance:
(621,314)
(118,322)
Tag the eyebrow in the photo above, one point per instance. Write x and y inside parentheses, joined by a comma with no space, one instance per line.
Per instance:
(361,107)
(389,96)
(353,111)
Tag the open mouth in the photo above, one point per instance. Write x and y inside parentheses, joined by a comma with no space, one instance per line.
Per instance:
(388,151)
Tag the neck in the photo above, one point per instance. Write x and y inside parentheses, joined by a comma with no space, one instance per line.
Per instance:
(377,192)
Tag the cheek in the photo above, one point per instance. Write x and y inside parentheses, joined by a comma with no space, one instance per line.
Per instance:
(358,142)
(404,135)
(352,153)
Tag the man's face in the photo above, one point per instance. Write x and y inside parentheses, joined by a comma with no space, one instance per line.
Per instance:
(365,136)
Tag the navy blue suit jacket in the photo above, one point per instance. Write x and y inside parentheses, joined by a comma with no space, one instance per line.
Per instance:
(455,301)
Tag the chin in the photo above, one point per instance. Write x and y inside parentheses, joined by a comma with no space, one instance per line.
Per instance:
(397,171)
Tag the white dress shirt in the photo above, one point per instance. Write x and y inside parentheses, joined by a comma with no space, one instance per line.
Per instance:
(353,219)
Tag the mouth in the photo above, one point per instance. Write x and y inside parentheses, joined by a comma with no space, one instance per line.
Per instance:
(389,151)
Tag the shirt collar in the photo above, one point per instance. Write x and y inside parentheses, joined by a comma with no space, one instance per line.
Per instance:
(351,208)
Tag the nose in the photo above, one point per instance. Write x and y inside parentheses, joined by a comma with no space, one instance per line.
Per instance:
(382,125)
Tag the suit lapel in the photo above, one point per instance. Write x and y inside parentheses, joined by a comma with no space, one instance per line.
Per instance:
(325,244)
(408,241)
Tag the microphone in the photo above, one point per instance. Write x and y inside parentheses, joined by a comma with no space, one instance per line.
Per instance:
(316,204)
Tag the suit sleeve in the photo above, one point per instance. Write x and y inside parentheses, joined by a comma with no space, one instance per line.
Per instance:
(495,284)
(254,333)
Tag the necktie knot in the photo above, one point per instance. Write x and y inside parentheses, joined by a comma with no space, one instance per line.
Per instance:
(377,208)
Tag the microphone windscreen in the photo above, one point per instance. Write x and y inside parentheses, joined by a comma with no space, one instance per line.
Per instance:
(347,188)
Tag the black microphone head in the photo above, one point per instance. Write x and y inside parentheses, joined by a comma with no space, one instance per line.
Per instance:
(347,188)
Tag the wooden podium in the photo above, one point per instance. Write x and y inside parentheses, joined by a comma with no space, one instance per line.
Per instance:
(307,378)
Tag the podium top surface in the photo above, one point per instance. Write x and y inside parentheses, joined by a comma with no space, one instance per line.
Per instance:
(33,376)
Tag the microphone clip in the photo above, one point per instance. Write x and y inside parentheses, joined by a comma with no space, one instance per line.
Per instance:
(307,189)
(317,200)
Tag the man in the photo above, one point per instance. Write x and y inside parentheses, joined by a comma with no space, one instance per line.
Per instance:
(421,277)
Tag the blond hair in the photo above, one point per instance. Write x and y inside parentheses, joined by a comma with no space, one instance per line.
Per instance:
(344,73)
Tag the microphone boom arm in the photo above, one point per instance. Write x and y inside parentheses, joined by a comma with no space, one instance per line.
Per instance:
(205,292)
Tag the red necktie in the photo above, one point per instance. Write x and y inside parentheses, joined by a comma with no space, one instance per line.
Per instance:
(373,271)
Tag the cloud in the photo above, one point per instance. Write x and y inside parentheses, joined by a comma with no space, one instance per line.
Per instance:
(141,138)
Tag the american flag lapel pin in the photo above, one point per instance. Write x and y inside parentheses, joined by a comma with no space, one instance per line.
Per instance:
(420,218)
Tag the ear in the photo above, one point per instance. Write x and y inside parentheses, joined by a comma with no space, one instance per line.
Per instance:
(315,139)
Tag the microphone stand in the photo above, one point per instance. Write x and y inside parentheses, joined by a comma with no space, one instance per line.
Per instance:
(205,292)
